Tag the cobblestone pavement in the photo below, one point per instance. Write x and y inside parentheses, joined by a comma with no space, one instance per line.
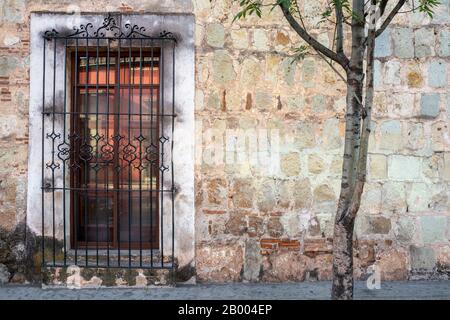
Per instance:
(239,291)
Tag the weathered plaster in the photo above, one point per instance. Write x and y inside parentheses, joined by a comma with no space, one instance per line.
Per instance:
(183,28)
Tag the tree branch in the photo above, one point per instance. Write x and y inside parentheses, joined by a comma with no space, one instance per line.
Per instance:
(339,30)
(339,58)
(383,5)
(389,18)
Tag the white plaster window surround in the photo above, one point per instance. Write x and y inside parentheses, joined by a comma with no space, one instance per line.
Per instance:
(182,26)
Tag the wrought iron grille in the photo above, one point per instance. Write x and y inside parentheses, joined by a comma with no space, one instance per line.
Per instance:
(107,140)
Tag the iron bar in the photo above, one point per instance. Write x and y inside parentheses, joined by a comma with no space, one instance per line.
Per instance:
(111,144)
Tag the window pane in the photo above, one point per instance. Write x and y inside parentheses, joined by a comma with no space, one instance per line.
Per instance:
(117,150)
(143,214)
(133,75)
(96,215)
(103,68)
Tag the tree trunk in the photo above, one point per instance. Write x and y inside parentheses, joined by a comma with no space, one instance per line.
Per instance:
(343,261)
(346,212)
(351,188)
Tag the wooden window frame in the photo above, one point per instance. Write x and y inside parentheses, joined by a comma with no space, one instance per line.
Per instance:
(75,124)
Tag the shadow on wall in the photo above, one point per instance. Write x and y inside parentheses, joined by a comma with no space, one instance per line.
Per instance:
(20,260)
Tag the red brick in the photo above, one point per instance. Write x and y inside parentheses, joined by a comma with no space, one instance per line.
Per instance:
(207,211)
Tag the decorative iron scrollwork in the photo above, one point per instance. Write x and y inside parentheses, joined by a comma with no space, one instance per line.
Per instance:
(110,29)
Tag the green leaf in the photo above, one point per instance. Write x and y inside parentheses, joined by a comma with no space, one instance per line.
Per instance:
(300,53)
(427,6)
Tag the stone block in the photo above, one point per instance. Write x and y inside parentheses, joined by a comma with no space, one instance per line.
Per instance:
(393,197)
(305,136)
(378,225)
(377,166)
(217,192)
(12,11)
(251,73)
(282,39)
(446,171)
(302,195)
(416,136)
(439,136)
(319,103)
(418,197)
(377,80)
(404,167)
(288,71)
(422,258)
(405,229)
(223,67)
(434,229)
(266,196)
(252,261)
(290,164)
(260,39)
(424,42)
(392,72)
(7,65)
(371,198)
(324,193)
(219,262)
(393,265)
(403,40)
(437,74)
(383,46)
(444,43)
(331,134)
(285,266)
(264,101)
(316,164)
(415,79)
(242,193)
(391,135)
(447,104)
(8,126)
(215,35)
(308,73)
(239,38)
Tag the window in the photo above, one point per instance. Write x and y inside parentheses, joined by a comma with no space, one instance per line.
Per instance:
(115,131)
(102,111)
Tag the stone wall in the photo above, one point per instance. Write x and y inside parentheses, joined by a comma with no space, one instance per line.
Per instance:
(256,224)
(270,218)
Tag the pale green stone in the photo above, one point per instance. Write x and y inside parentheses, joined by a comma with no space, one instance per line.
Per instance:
(7,65)
(215,35)
(422,258)
(391,135)
(444,43)
(418,197)
(319,103)
(263,100)
(288,68)
(239,38)
(424,42)
(437,74)
(434,229)
(223,67)
(331,136)
(404,167)
(308,73)
(383,47)
(260,39)
(405,229)
(403,42)
(305,136)
(429,105)
(393,197)
(213,101)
